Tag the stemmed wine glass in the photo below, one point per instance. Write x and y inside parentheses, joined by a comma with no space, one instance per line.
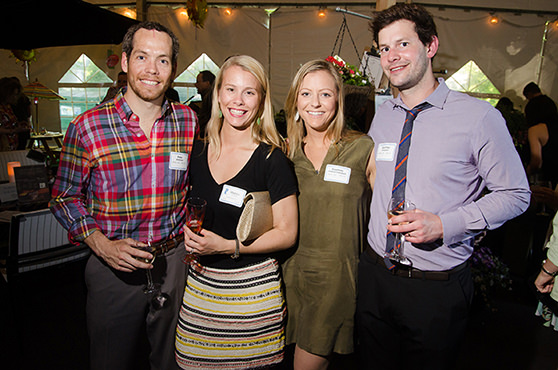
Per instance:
(196,212)
(158,299)
(541,207)
(397,206)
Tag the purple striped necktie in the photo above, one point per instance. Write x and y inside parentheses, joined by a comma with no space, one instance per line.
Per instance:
(400,173)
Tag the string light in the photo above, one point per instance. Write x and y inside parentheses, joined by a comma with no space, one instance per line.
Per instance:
(129,13)
(321,13)
(183,12)
(228,11)
(494,19)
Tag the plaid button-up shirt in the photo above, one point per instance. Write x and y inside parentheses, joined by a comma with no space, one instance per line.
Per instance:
(114,179)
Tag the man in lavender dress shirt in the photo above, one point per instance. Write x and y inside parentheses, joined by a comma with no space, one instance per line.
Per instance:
(414,317)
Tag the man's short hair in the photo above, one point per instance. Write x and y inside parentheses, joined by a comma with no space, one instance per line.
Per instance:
(424,23)
(530,89)
(207,76)
(128,42)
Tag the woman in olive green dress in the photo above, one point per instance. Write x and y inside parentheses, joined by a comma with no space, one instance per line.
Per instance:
(335,171)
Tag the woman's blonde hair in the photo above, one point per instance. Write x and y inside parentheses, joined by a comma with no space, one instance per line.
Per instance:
(295,128)
(263,126)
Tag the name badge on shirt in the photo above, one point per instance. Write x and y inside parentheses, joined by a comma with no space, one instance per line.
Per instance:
(232,195)
(386,152)
(335,173)
(178,161)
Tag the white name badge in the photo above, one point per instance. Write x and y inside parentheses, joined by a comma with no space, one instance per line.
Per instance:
(386,152)
(178,161)
(232,195)
(338,174)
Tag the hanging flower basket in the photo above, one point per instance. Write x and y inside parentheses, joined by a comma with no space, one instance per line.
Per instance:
(349,73)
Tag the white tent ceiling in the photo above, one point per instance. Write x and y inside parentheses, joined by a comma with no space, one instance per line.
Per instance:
(508,53)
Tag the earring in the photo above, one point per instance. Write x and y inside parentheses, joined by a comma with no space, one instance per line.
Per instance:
(258,121)
(220,114)
(297,116)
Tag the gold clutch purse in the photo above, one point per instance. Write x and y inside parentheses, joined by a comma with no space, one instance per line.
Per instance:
(256,218)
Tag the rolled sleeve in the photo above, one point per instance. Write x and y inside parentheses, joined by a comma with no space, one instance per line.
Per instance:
(68,194)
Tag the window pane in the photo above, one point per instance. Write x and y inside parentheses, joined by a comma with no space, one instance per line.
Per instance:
(66,110)
(471,79)
(203,63)
(65,92)
(79,109)
(64,123)
(78,94)
(93,94)
(70,77)
(98,76)
(78,68)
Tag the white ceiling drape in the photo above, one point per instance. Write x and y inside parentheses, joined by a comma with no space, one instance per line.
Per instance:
(508,53)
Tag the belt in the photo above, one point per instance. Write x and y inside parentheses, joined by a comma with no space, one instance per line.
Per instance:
(166,245)
(414,273)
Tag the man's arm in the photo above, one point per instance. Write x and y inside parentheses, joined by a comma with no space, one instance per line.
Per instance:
(68,206)
(499,165)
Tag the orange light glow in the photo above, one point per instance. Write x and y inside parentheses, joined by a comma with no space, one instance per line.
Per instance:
(494,20)
(321,13)
(11,166)
(228,11)
(129,13)
(183,12)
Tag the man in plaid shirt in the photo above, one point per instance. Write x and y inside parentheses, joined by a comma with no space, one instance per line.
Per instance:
(121,185)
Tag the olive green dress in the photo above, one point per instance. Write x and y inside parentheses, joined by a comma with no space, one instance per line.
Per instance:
(320,277)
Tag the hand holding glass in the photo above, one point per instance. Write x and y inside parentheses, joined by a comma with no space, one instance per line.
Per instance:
(195,208)
(396,207)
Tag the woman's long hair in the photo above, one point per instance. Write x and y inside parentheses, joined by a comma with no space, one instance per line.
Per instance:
(295,128)
(262,131)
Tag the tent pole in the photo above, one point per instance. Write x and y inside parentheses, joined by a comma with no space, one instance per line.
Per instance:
(541,55)
(269,18)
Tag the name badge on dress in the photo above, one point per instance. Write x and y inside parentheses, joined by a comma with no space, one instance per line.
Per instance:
(178,161)
(386,152)
(335,173)
(232,195)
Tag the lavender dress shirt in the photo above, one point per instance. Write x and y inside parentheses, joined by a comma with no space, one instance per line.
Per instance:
(459,147)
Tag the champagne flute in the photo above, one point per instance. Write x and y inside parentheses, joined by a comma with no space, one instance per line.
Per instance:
(397,206)
(194,219)
(151,287)
(541,206)
(159,299)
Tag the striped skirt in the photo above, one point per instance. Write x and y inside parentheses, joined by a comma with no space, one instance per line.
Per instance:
(231,319)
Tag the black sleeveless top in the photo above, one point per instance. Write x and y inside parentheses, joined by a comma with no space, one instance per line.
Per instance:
(273,173)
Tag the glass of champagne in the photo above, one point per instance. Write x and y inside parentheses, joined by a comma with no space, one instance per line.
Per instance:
(541,206)
(195,208)
(158,299)
(397,206)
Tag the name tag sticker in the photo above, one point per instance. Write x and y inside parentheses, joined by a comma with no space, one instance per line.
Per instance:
(178,161)
(386,152)
(232,195)
(340,174)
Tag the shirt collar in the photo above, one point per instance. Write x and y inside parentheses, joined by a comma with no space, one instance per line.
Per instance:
(437,98)
(124,110)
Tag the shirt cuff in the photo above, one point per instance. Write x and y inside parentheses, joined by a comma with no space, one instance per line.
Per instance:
(82,228)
